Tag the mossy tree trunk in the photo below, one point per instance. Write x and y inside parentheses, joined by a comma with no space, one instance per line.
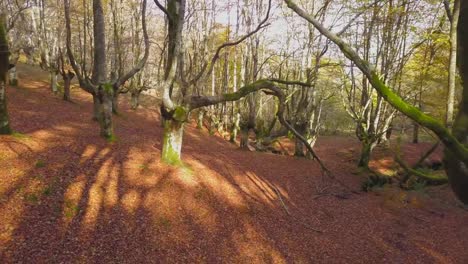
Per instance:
(4,67)
(366,152)
(172,142)
(456,143)
(99,85)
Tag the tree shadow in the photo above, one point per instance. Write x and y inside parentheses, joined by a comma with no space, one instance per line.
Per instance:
(91,201)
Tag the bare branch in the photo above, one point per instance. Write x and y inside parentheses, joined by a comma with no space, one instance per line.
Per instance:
(83,82)
(447,10)
(383,90)
(215,57)
(142,62)
(163,9)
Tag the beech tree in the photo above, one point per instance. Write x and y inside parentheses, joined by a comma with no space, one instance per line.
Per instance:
(4,67)
(456,142)
(178,97)
(103,84)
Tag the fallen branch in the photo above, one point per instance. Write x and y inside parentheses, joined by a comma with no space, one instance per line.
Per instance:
(431,179)
(426,155)
(278,194)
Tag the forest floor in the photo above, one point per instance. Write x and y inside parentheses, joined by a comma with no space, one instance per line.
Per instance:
(68,196)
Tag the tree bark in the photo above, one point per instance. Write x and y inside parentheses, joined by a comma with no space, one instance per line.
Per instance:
(301,128)
(66,87)
(115,102)
(96,114)
(244,140)
(201,113)
(105,99)
(366,151)
(172,141)
(4,67)
(13,76)
(235,127)
(135,99)
(53,82)
(452,64)
(455,166)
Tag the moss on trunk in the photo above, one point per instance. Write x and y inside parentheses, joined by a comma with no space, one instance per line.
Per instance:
(172,142)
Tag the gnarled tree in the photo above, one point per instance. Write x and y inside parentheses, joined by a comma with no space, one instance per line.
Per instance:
(456,151)
(102,85)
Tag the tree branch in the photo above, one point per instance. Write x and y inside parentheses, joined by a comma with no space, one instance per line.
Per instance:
(215,57)
(142,62)
(448,10)
(383,90)
(163,9)
(84,83)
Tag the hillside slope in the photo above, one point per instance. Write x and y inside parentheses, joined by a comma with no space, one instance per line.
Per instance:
(67,195)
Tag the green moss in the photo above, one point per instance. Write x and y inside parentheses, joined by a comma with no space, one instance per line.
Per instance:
(111,139)
(180,114)
(19,135)
(108,88)
(32,198)
(13,82)
(40,164)
(3,33)
(169,154)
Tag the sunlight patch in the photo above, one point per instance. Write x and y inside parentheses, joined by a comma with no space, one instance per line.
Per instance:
(89,151)
(131,201)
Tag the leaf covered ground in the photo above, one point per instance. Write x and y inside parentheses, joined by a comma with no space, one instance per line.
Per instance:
(68,196)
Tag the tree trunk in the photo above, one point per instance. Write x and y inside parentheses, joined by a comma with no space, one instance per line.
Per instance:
(366,152)
(115,102)
(4,120)
(452,64)
(66,87)
(299,145)
(200,119)
(235,127)
(455,166)
(13,76)
(172,141)
(4,66)
(244,140)
(95,108)
(135,100)
(105,101)
(53,82)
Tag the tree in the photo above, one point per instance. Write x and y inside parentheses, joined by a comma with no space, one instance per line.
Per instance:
(102,85)
(456,151)
(4,67)
(453,18)
(178,98)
